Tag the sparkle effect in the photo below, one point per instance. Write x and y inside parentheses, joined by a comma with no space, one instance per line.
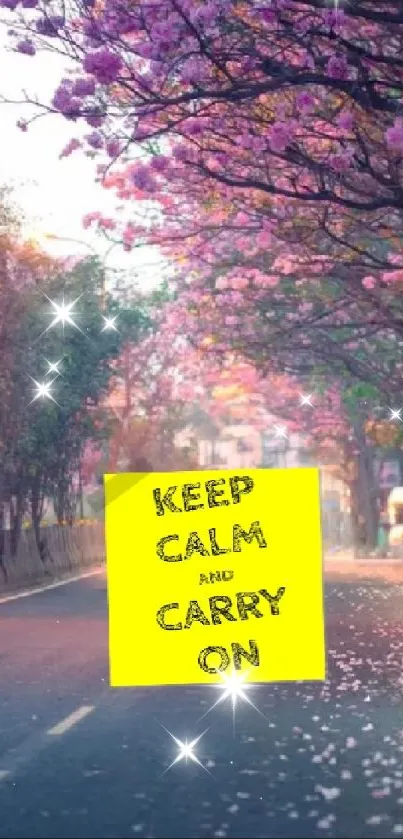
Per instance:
(63,313)
(306,400)
(109,324)
(233,688)
(53,367)
(43,391)
(395,414)
(281,431)
(186,751)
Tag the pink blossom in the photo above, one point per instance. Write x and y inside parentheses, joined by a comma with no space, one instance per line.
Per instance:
(337,67)
(50,26)
(141,132)
(242,218)
(94,140)
(84,86)
(90,218)
(239,283)
(160,163)
(369,282)
(308,61)
(194,127)
(395,258)
(181,153)
(341,162)
(380,793)
(393,276)
(264,239)
(345,120)
(266,281)
(107,223)
(26,47)
(113,148)
(142,179)
(394,135)
(305,102)
(65,102)
(104,65)
(71,146)
(267,14)
(241,242)
(94,118)
(236,298)
(192,71)
(221,284)
(280,136)
(334,17)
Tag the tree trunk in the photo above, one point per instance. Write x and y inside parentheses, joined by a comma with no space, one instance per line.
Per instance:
(36,524)
(59,501)
(2,532)
(16,516)
(80,493)
(364,498)
(36,515)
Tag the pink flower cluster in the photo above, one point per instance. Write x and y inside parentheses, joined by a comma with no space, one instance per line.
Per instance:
(104,65)
(394,135)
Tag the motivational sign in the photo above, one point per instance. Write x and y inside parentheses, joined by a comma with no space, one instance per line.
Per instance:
(214,571)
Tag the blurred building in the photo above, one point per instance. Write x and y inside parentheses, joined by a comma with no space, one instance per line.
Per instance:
(241,445)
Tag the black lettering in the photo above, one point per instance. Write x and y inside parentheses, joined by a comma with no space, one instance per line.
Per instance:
(244,608)
(195,613)
(236,492)
(195,545)
(215,549)
(217,611)
(213,493)
(273,599)
(204,654)
(216,577)
(167,500)
(188,496)
(255,532)
(161,615)
(252,656)
(160,549)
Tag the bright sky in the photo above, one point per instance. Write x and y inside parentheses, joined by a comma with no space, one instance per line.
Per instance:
(54,194)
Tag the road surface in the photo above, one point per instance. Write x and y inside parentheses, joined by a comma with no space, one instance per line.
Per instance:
(79,760)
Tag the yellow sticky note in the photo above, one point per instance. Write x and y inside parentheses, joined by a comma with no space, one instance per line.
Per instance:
(214,571)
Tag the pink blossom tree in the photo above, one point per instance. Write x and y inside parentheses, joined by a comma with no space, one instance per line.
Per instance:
(288,99)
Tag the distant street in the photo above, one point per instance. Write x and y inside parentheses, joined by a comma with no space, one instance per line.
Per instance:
(79,760)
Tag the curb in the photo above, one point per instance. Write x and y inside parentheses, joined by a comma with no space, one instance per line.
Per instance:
(6,595)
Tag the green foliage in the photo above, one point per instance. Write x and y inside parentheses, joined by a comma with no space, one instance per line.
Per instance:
(44,453)
(358,396)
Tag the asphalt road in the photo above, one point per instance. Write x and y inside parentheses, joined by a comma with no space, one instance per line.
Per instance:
(79,760)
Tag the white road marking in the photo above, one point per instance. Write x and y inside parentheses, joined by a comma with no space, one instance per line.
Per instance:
(71,720)
(40,589)
(4,773)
